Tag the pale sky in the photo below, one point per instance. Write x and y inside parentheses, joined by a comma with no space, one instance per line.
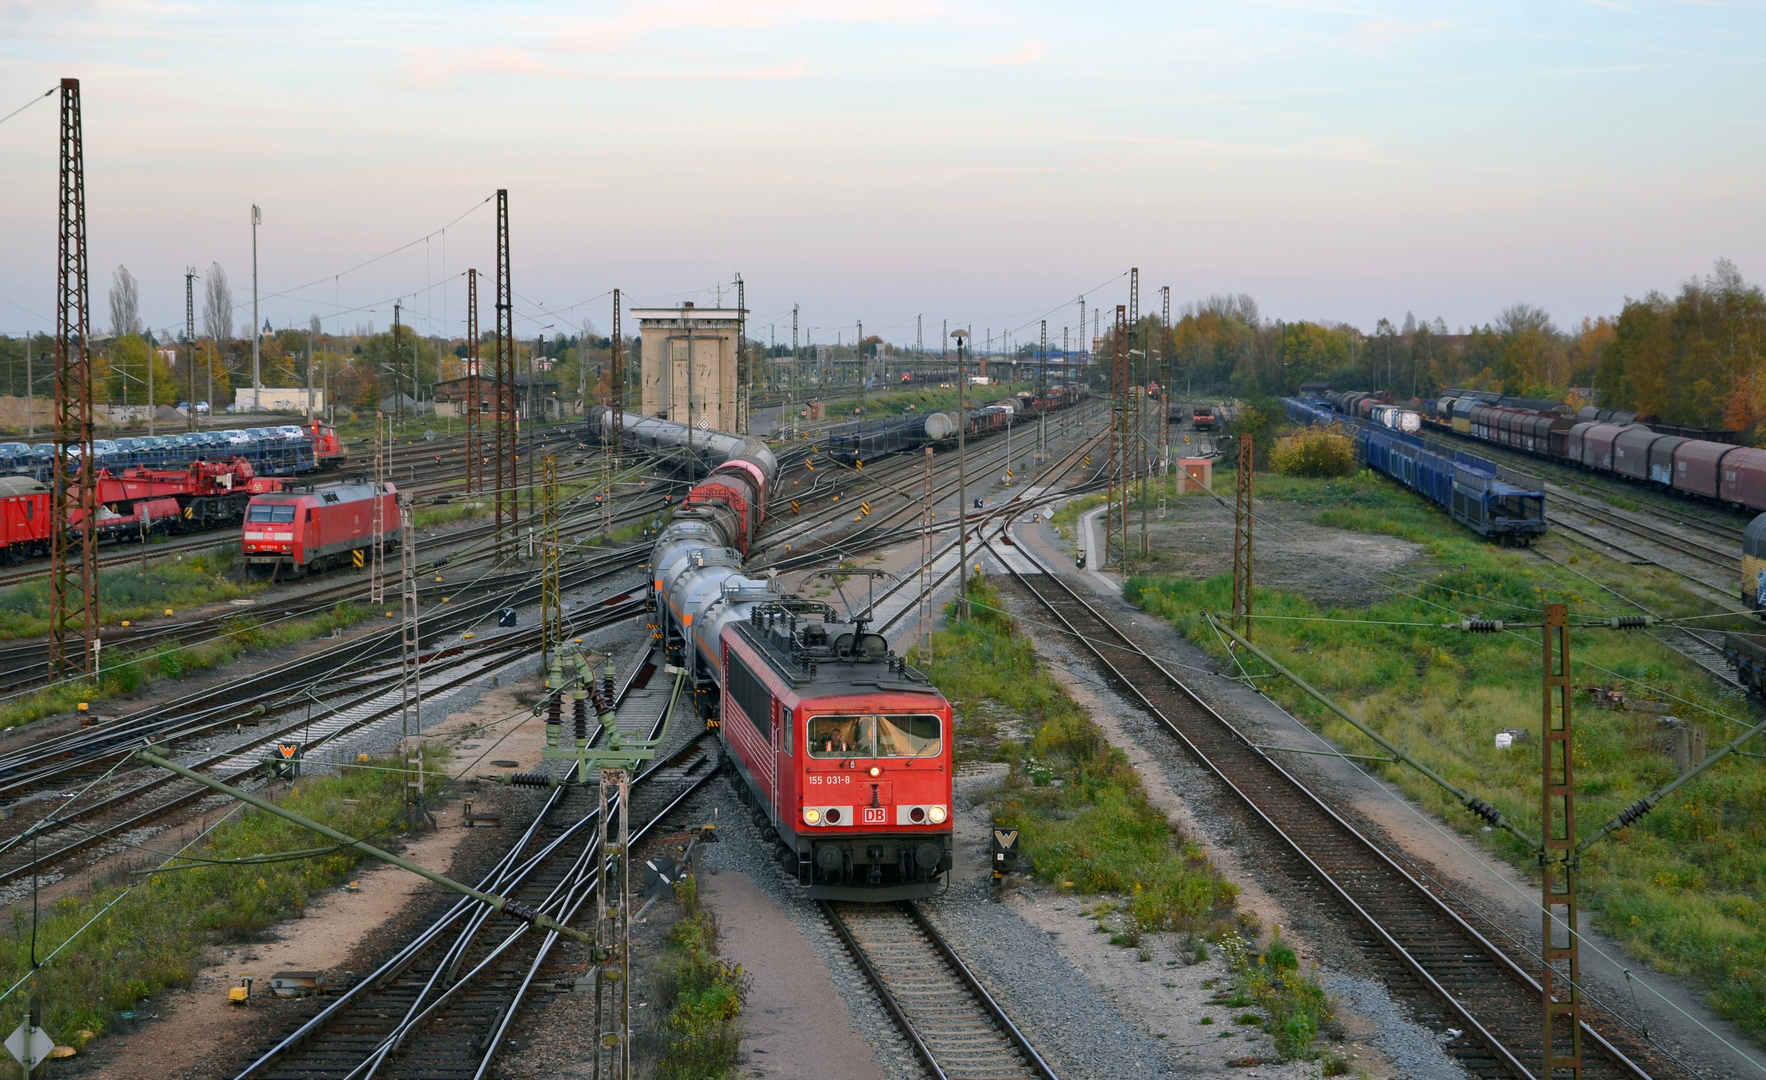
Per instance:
(981,162)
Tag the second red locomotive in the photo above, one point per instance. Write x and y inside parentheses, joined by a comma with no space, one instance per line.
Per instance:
(289,533)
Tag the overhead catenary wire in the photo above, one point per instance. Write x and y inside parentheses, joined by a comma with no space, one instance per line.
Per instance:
(45,94)
(1578,660)
(1454,839)
(1532,902)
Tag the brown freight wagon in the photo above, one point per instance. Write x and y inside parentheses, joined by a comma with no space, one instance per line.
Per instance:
(1597,446)
(1744,478)
(1698,465)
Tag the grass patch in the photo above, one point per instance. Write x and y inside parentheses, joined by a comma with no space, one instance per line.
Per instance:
(154,938)
(123,671)
(704,1032)
(1296,1007)
(1066,519)
(428,517)
(1083,816)
(1684,888)
(181,581)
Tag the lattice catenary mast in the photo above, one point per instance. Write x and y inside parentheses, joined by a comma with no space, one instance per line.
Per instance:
(1242,546)
(551,600)
(506,429)
(377,558)
(190,341)
(73,605)
(1116,517)
(1561,974)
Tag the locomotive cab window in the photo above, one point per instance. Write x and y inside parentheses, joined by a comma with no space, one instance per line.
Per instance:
(276,515)
(875,736)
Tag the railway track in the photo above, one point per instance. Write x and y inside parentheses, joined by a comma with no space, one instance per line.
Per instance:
(1430,954)
(441,1007)
(419,473)
(900,487)
(315,699)
(955,1026)
(1726,559)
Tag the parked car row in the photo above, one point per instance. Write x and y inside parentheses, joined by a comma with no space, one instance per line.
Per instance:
(275,451)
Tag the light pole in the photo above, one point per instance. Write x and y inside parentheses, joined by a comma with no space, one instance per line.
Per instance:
(257,385)
(962,483)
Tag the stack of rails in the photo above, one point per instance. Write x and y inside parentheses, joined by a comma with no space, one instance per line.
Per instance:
(1469,488)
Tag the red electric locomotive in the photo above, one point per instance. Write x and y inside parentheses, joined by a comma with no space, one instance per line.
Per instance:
(289,533)
(843,750)
(846,749)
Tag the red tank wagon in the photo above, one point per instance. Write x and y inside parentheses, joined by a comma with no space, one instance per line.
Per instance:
(289,533)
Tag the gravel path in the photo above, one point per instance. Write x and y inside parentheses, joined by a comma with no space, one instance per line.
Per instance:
(743,851)
(1414,1051)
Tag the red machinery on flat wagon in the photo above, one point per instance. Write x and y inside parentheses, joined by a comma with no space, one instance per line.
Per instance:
(290,533)
(134,504)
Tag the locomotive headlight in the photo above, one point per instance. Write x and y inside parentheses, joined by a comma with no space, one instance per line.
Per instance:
(938,814)
(812,816)
(876,770)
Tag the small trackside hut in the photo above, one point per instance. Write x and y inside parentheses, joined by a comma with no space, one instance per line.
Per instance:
(846,748)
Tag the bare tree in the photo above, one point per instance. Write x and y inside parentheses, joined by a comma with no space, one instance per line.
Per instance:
(1518,319)
(125,303)
(316,327)
(217,305)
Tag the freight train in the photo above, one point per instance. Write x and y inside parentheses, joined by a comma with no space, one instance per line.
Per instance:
(132,505)
(843,750)
(864,440)
(1467,487)
(1693,462)
(1376,409)
(289,534)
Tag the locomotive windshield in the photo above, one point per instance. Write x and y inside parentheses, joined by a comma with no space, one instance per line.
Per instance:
(875,736)
(272,512)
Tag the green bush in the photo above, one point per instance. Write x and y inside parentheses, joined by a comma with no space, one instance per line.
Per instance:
(1314,452)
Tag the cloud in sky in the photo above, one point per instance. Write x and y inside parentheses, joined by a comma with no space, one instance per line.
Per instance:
(1028,53)
(877,160)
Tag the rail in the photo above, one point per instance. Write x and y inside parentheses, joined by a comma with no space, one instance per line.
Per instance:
(1483,990)
(943,1023)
